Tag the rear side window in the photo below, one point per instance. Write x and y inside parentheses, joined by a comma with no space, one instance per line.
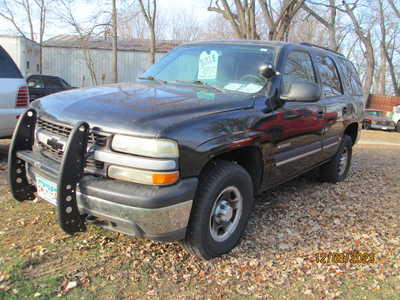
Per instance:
(298,67)
(8,69)
(351,79)
(53,84)
(330,81)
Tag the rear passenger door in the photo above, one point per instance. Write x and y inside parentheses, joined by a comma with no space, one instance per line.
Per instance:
(334,103)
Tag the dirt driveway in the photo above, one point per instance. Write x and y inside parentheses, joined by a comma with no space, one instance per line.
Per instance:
(276,258)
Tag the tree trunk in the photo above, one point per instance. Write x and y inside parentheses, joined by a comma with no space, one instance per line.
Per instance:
(153,46)
(114,42)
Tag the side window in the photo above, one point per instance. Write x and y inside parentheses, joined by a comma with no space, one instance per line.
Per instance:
(53,84)
(354,79)
(8,69)
(36,83)
(330,81)
(298,67)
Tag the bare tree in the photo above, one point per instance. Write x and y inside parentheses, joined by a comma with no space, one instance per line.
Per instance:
(395,8)
(9,10)
(114,42)
(183,27)
(241,16)
(365,36)
(279,20)
(149,13)
(385,51)
(329,23)
(99,20)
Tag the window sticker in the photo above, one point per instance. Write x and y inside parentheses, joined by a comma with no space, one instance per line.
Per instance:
(208,65)
(244,87)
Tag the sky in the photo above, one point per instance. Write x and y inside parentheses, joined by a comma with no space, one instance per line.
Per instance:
(197,8)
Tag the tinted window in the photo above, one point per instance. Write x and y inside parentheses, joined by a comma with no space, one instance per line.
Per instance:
(8,69)
(351,79)
(330,81)
(298,67)
(36,83)
(53,84)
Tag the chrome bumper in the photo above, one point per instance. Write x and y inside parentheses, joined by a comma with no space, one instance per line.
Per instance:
(165,223)
(383,127)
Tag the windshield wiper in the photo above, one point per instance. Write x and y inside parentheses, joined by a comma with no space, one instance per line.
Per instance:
(153,79)
(202,83)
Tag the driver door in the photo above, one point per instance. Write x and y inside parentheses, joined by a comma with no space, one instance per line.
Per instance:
(299,124)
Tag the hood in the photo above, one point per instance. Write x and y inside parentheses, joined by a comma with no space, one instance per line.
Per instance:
(137,108)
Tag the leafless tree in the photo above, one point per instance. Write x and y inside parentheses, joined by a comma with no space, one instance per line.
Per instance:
(329,23)
(395,8)
(279,20)
(241,16)
(150,13)
(31,9)
(99,20)
(385,45)
(114,42)
(183,27)
(365,36)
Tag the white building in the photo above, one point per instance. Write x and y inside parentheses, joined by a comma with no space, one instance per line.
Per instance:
(89,62)
(24,52)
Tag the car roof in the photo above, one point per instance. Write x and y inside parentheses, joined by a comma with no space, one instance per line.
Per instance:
(278,44)
(43,76)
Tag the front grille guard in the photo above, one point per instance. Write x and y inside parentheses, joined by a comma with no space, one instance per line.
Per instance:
(71,171)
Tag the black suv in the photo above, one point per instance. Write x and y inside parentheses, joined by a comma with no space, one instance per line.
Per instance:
(181,154)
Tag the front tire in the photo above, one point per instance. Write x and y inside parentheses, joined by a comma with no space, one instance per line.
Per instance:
(338,168)
(398,126)
(221,209)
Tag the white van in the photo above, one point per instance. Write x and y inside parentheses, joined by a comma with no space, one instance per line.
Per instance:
(14,95)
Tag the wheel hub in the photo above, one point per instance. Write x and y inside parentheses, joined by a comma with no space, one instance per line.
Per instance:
(223,212)
(226,214)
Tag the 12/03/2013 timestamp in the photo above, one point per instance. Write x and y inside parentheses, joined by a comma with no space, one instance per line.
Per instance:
(343,258)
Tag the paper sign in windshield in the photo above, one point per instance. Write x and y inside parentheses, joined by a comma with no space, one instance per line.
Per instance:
(208,65)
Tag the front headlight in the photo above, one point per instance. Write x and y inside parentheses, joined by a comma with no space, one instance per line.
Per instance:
(159,148)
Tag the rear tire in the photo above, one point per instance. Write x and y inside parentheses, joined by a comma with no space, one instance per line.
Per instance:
(338,168)
(221,208)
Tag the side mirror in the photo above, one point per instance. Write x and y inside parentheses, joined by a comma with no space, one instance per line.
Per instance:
(303,91)
(267,71)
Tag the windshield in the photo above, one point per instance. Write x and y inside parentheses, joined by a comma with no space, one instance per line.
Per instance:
(222,67)
(375,113)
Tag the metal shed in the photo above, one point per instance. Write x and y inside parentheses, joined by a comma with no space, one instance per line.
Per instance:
(24,52)
(83,62)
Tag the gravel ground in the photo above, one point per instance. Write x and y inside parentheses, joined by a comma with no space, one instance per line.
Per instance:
(276,258)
